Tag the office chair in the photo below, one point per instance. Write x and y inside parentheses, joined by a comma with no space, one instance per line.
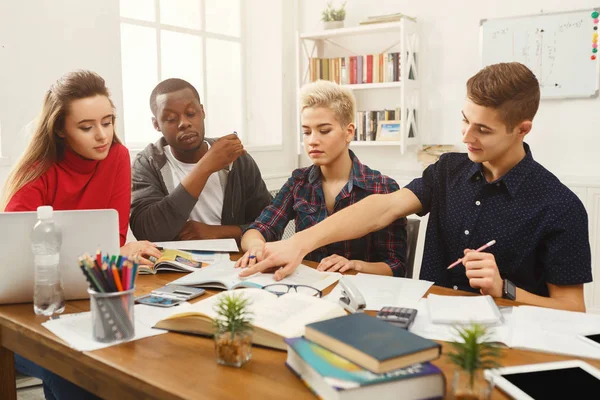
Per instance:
(412,234)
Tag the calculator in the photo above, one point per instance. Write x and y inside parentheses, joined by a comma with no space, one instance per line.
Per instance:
(399,316)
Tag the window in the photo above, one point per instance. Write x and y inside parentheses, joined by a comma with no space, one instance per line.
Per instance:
(200,41)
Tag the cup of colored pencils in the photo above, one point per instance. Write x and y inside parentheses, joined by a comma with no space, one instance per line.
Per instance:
(112,283)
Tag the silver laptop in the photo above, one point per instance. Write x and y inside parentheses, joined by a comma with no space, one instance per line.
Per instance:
(83,231)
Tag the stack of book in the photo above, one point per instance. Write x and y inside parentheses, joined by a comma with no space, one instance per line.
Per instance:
(358,356)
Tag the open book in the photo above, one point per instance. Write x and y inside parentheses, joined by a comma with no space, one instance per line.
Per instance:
(274,318)
(174,261)
(223,275)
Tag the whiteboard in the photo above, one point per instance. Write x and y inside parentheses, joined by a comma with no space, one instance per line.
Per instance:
(557,47)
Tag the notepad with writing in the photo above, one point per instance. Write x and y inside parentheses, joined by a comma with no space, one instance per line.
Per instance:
(463,310)
(372,343)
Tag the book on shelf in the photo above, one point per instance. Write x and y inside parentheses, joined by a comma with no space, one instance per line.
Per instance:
(372,343)
(356,69)
(273,318)
(367,122)
(331,376)
(223,275)
(378,19)
(172,261)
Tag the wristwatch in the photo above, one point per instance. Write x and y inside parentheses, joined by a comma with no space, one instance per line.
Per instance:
(509,290)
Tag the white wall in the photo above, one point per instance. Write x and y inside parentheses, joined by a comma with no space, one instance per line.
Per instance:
(41,41)
(566,133)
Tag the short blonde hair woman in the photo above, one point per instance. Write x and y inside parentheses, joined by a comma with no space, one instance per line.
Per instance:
(336,180)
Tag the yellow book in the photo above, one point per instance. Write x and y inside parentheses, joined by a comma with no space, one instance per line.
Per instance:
(172,261)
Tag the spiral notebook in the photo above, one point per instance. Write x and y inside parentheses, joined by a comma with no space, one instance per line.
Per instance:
(463,310)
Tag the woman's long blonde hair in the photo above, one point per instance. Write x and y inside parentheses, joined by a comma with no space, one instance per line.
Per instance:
(46,147)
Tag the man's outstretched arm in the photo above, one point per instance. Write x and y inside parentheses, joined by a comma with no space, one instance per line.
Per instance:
(369,215)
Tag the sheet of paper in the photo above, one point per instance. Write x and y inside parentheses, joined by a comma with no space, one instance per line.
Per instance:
(423,326)
(210,257)
(380,291)
(463,309)
(76,329)
(224,245)
(555,331)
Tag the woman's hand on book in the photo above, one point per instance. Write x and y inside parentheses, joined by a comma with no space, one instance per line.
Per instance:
(140,251)
(252,256)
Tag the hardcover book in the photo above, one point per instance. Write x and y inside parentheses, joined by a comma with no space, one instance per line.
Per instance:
(372,343)
(333,377)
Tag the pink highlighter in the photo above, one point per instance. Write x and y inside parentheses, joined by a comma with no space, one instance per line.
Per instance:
(485,246)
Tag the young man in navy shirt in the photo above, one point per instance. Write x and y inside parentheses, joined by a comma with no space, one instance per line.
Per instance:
(494,192)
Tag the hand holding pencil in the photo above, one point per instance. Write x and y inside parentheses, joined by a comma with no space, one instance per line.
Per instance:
(460,260)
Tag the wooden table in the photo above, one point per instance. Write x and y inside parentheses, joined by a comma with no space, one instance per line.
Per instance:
(171,366)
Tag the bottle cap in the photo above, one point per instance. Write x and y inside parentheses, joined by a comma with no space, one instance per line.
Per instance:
(44,212)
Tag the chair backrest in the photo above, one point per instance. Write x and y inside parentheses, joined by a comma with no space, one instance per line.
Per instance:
(290,228)
(412,234)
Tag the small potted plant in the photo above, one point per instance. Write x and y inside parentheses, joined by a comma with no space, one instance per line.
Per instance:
(233,330)
(471,356)
(334,18)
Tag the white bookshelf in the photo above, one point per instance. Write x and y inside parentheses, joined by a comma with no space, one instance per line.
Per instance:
(354,30)
(399,37)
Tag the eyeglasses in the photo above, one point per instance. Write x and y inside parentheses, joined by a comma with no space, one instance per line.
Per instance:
(282,288)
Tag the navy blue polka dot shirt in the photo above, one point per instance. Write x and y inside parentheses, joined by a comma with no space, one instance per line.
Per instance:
(540,226)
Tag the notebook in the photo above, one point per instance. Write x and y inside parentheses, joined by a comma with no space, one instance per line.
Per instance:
(83,231)
(463,310)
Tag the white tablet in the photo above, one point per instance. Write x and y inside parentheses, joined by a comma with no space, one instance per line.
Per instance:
(572,379)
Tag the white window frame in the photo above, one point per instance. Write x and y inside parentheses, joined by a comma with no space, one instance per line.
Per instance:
(203,35)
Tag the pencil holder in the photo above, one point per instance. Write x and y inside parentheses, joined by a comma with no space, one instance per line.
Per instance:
(112,315)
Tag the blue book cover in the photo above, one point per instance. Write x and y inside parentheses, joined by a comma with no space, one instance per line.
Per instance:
(341,373)
(377,339)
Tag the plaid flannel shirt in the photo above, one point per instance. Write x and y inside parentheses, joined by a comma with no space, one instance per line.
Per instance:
(302,199)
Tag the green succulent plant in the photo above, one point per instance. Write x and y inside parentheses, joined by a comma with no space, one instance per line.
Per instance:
(233,313)
(475,352)
(334,14)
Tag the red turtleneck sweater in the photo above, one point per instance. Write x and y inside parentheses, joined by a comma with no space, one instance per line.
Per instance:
(75,183)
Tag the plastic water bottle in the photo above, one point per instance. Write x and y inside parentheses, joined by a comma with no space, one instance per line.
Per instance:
(46,239)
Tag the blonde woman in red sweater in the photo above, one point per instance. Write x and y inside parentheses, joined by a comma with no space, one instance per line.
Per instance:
(74,161)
